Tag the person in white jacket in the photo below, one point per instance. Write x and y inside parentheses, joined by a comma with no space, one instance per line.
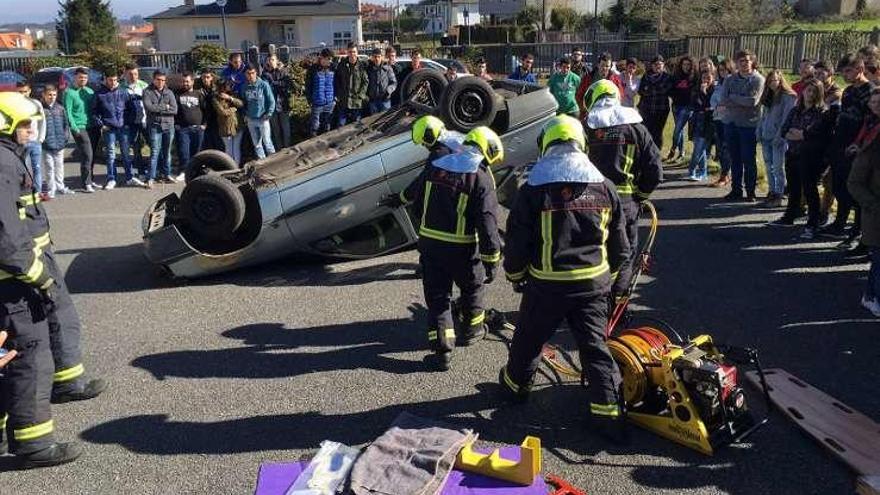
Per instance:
(34,148)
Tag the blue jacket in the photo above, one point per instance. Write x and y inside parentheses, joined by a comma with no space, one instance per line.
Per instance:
(237,77)
(56,127)
(258,99)
(111,106)
(319,89)
(519,75)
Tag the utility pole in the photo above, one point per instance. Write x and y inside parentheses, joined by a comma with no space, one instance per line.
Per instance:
(222,5)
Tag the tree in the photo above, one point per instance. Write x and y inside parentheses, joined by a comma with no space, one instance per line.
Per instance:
(529,17)
(207,56)
(564,19)
(108,59)
(86,24)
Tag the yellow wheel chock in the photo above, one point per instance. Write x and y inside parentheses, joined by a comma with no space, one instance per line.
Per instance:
(521,472)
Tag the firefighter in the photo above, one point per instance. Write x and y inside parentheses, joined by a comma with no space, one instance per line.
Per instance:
(621,147)
(565,242)
(458,235)
(27,287)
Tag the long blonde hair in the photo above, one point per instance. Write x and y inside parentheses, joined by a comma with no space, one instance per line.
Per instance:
(771,97)
(820,93)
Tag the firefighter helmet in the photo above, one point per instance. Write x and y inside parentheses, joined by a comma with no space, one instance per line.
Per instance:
(561,129)
(602,88)
(488,143)
(15,109)
(426,130)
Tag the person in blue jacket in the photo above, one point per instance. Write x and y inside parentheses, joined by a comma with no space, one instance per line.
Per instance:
(524,71)
(259,104)
(320,93)
(235,72)
(110,116)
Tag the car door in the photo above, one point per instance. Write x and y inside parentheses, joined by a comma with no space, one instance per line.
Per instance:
(519,154)
(335,212)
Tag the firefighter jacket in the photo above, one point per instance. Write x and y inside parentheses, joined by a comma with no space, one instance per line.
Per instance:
(454,198)
(567,231)
(622,149)
(24,228)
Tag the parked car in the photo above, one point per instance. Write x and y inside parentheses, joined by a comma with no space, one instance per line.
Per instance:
(62,78)
(404,62)
(321,197)
(9,80)
(460,68)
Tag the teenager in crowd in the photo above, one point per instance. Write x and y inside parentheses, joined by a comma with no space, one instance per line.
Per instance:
(320,93)
(654,98)
(381,83)
(602,70)
(777,101)
(230,126)
(207,85)
(578,64)
(683,82)
(702,126)
(806,72)
(55,142)
(563,86)
(276,74)
(741,100)
(806,131)
(724,69)
(525,71)
(483,70)
(630,80)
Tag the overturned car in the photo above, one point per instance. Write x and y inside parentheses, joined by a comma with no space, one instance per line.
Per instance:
(321,197)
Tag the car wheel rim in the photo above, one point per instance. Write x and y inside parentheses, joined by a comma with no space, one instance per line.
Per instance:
(470,107)
(209,209)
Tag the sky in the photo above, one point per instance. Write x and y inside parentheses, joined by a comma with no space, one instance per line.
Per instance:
(46,10)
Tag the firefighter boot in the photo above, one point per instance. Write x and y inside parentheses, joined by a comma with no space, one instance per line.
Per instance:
(439,360)
(4,445)
(55,454)
(512,391)
(90,390)
(472,335)
(615,431)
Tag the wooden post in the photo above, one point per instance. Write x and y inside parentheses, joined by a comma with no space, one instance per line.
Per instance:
(800,44)
(737,44)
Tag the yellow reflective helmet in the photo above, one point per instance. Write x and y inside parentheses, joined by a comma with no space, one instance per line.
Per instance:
(600,89)
(561,129)
(15,109)
(426,130)
(487,142)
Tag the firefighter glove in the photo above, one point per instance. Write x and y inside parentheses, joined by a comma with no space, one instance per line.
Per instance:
(491,271)
(391,201)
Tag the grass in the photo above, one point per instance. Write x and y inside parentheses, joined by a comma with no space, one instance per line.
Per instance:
(825,25)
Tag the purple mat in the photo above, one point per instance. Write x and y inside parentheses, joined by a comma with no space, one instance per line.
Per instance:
(274,479)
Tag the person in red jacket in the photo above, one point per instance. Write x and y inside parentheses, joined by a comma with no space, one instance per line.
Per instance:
(603,70)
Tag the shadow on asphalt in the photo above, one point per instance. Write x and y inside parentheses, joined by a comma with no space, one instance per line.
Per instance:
(271,350)
(125,269)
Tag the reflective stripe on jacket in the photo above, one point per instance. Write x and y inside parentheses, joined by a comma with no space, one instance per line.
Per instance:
(626,155)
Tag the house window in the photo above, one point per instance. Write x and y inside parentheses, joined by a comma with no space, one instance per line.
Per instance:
(341,38)
(204,33)
(290,34)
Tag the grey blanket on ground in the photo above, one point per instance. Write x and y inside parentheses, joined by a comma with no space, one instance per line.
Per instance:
(414,457)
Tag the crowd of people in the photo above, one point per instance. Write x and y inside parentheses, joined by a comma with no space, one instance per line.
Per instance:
(811,132)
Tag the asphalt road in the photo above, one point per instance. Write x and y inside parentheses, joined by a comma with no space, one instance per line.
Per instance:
(211,378)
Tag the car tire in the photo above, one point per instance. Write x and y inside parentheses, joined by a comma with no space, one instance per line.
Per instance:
(467,103)
(435,79)
(208,160)
(213,207)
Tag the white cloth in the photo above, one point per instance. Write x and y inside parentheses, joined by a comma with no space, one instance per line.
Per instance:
(465,161)
(609,112)
(564,163)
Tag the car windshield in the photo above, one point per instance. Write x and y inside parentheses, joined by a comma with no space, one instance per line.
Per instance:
(45,77)
(10,77)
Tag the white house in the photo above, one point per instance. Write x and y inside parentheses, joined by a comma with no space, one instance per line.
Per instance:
(302,24)
(443,15)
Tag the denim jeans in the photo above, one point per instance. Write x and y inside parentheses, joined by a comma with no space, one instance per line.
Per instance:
(261,135)
(232,145)
(319,122)
(189,142)
(379,106)
(721,147)
(873,290)
(160,152)
(774,161)
(137,136)
(742,142)
(349,115)
(681,115)
(112,137)
(697,167)
(33,153)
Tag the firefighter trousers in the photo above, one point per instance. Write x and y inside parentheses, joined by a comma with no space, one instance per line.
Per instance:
(26,387)
(64,333)
(631,213)
(443,265)
(540,314)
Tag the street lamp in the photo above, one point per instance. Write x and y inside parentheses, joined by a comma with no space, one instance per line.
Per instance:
(222,5)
